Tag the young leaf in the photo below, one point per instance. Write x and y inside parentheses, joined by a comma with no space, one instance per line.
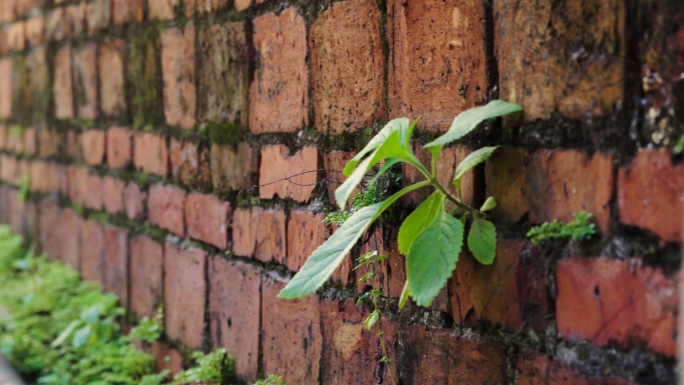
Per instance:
(467,120)
(372,319)
(433,257)
(472,160)
(401,124)
(489,204)
(418,220)
(482,241)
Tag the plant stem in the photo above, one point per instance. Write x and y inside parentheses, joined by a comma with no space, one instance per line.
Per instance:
(381,335)
(432,179)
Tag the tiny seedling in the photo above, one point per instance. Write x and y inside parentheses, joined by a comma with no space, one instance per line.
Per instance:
(579,228)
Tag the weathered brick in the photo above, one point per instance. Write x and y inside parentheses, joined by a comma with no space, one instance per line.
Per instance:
(285,325)
(563,182)
(30,141)
(305,232)
(234,306)
(223,80)
(233,167)
(203,6)
(650,194)
(347,67)
(63,92)
(15,140)
(437,357)
(144,74)
(178,72)
(184,294)
(184,161)
(6,88)
(208,219)
(536,369)
(16,36)
(98,15)
(85,81)
(505,179)
(166,206)
(244,232)
(537,56)
(93,144)
(16,209)
(301,169)
(134,201)
(270,235)
(4,133)
(71,145)
(437,59)
(68,238)
(75,18)
(112,194)
(147,258)
(150,153)
(48,143)
(110,64)
(603,300)
(92,251)
(115,277)
(43,177)
(166,358)
(391,273)
(118,150)
(8,171)
(279,99)
(78,183)
(127,11)
(162,9)
(35,30)
(93,199)
(36,92)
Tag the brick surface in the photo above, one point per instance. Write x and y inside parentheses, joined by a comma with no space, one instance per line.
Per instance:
(167,206)
(436,357)
(144,74)
(93,144)
(184,161)
(285,326)
(63,91)
(300,169)
(563,182)
(223,80)
(36,92)
(146,276)
(334,163)
(48,143)
(162,9)
(127,11)
(347,64)
(203,6)
(208,219)
(305,232)
(150,154)
(544,75)
(178,71)
(30,141)
(505,179)
(603,300)
(92,251)
(35,30)
(233,167)
(98,15)
(112,194)
(6,88)
(44,177)
(437,59)
(279,99)
(78,183)
(85,81)
(110,65)
(93,197)
(650,194)
(184,284)
(535,369)
(115,277)
(166,358)
(68,238)
(234,307)
(119,146)
(244,232)
(270,235)
(134,201)
(49,229)
(16,36)
(391,273)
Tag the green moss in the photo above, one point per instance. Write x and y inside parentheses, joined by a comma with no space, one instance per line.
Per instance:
(145,78)
(20,91)
(225,133)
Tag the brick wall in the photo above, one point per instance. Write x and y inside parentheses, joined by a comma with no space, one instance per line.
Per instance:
(143,125)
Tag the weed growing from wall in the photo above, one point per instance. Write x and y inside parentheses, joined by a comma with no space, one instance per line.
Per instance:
(579,228)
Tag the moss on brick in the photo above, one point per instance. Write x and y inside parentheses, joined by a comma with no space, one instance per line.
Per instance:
(225,133)
(144,73)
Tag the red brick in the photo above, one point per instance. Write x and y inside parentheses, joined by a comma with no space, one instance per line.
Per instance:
(208,219)
(16,208)
(334,163)
(63,92)
(92,251)
(134,201)
(162,9)
(78,183)
(150,154)
(55,24)
(68,238)
(505,178)
(85,78)
(301,169)
(347,67)
(93,198)
(36,86)
(48,143)
(98,15)
(233,167)
(118,147)
(244,232)
(184,161)
(49,228)
(234,307)
(93,144)
(30,141)
(75,19)
(166,358)
(223,80)
(4,133)
(15,140)
(6,88)
(270,235)
(127,11)
(285,326)
(35,30)
(184,295)
(203,6)
(603,300)
(8,171)
(391,273)
(650,194)
(16,36)
(71,146)
(563,182)
(112,194)
(279,100)
(110,65)
(31,218)
(535,369)
(115,277)
(305,232)
(547,77)
(178,71)
(146,276)
(44,177)
(167,206)
(437,59)
(438,357)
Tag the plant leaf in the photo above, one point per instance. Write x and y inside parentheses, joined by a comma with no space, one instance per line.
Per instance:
(482,241)
(65,333)
(81,336)
(467,120)
(405,293)
(418,220)
(372,319)
(489,204)
(433,257)
(401,124)
(345,190)
(472,160)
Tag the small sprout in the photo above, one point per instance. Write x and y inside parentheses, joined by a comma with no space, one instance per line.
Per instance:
(579,228)
(372,319)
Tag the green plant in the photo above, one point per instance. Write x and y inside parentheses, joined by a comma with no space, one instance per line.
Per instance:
(578,228)
(213,368)
(271,380)
(430,237)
